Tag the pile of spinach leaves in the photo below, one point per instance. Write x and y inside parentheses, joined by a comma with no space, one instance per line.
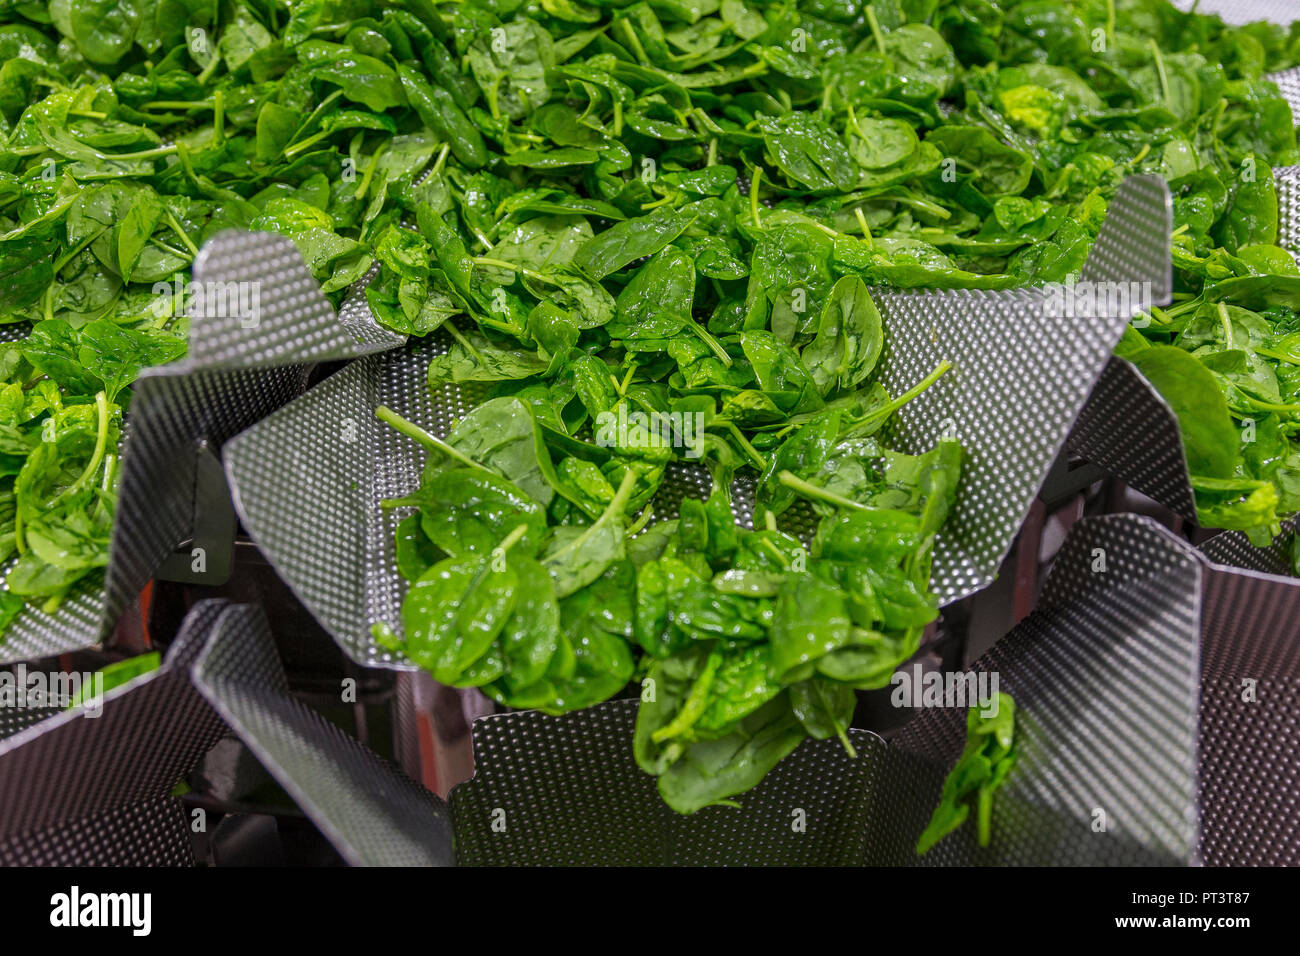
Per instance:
(534,575)
(617,208)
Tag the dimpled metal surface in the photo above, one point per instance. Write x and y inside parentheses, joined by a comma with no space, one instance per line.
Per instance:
(86,791)
(371,812)
(1250,704)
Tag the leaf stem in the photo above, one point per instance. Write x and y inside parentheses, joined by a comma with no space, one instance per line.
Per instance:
(294,149)
(418,434)
(884,411)
(627,379)
(1160,69)
(642,520)
(465,343)
(176,228)
(694,705)
(808,490)
(177,105)
(142,154)
(707,338)
(1226,324)
(754,454)
(1268,406)
(218,118)
(875,28)
(211,68)
(370,170)
(442,158)
(770,547)
(96,457)
(511,266)
(293,144)
(1279,356)
(615,507)
(513,537)
(106,484)
(866,230)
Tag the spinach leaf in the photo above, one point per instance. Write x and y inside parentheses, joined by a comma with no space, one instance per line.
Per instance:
(848,340)
(985,761)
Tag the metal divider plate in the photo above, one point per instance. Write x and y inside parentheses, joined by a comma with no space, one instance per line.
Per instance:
(1250,696)
(1287,181)
(1124,404)
(149,833)
(1237,12)
(565,791)
(371,812)
(1129,430)
(76,789)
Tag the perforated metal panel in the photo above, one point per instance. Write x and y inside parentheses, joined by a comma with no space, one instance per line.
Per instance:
(14,719)
(75,623)
(1250,705)
(1129,429)
(1022,373)
(369,810)
(308,479)
(1237,12)
(565,791)
(148,833)
(296,324)
(1250,772)
(330,451)
(1233,549)
(1104,676)
(239,368)
(78,790)
(1286,179)
(1133,244)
